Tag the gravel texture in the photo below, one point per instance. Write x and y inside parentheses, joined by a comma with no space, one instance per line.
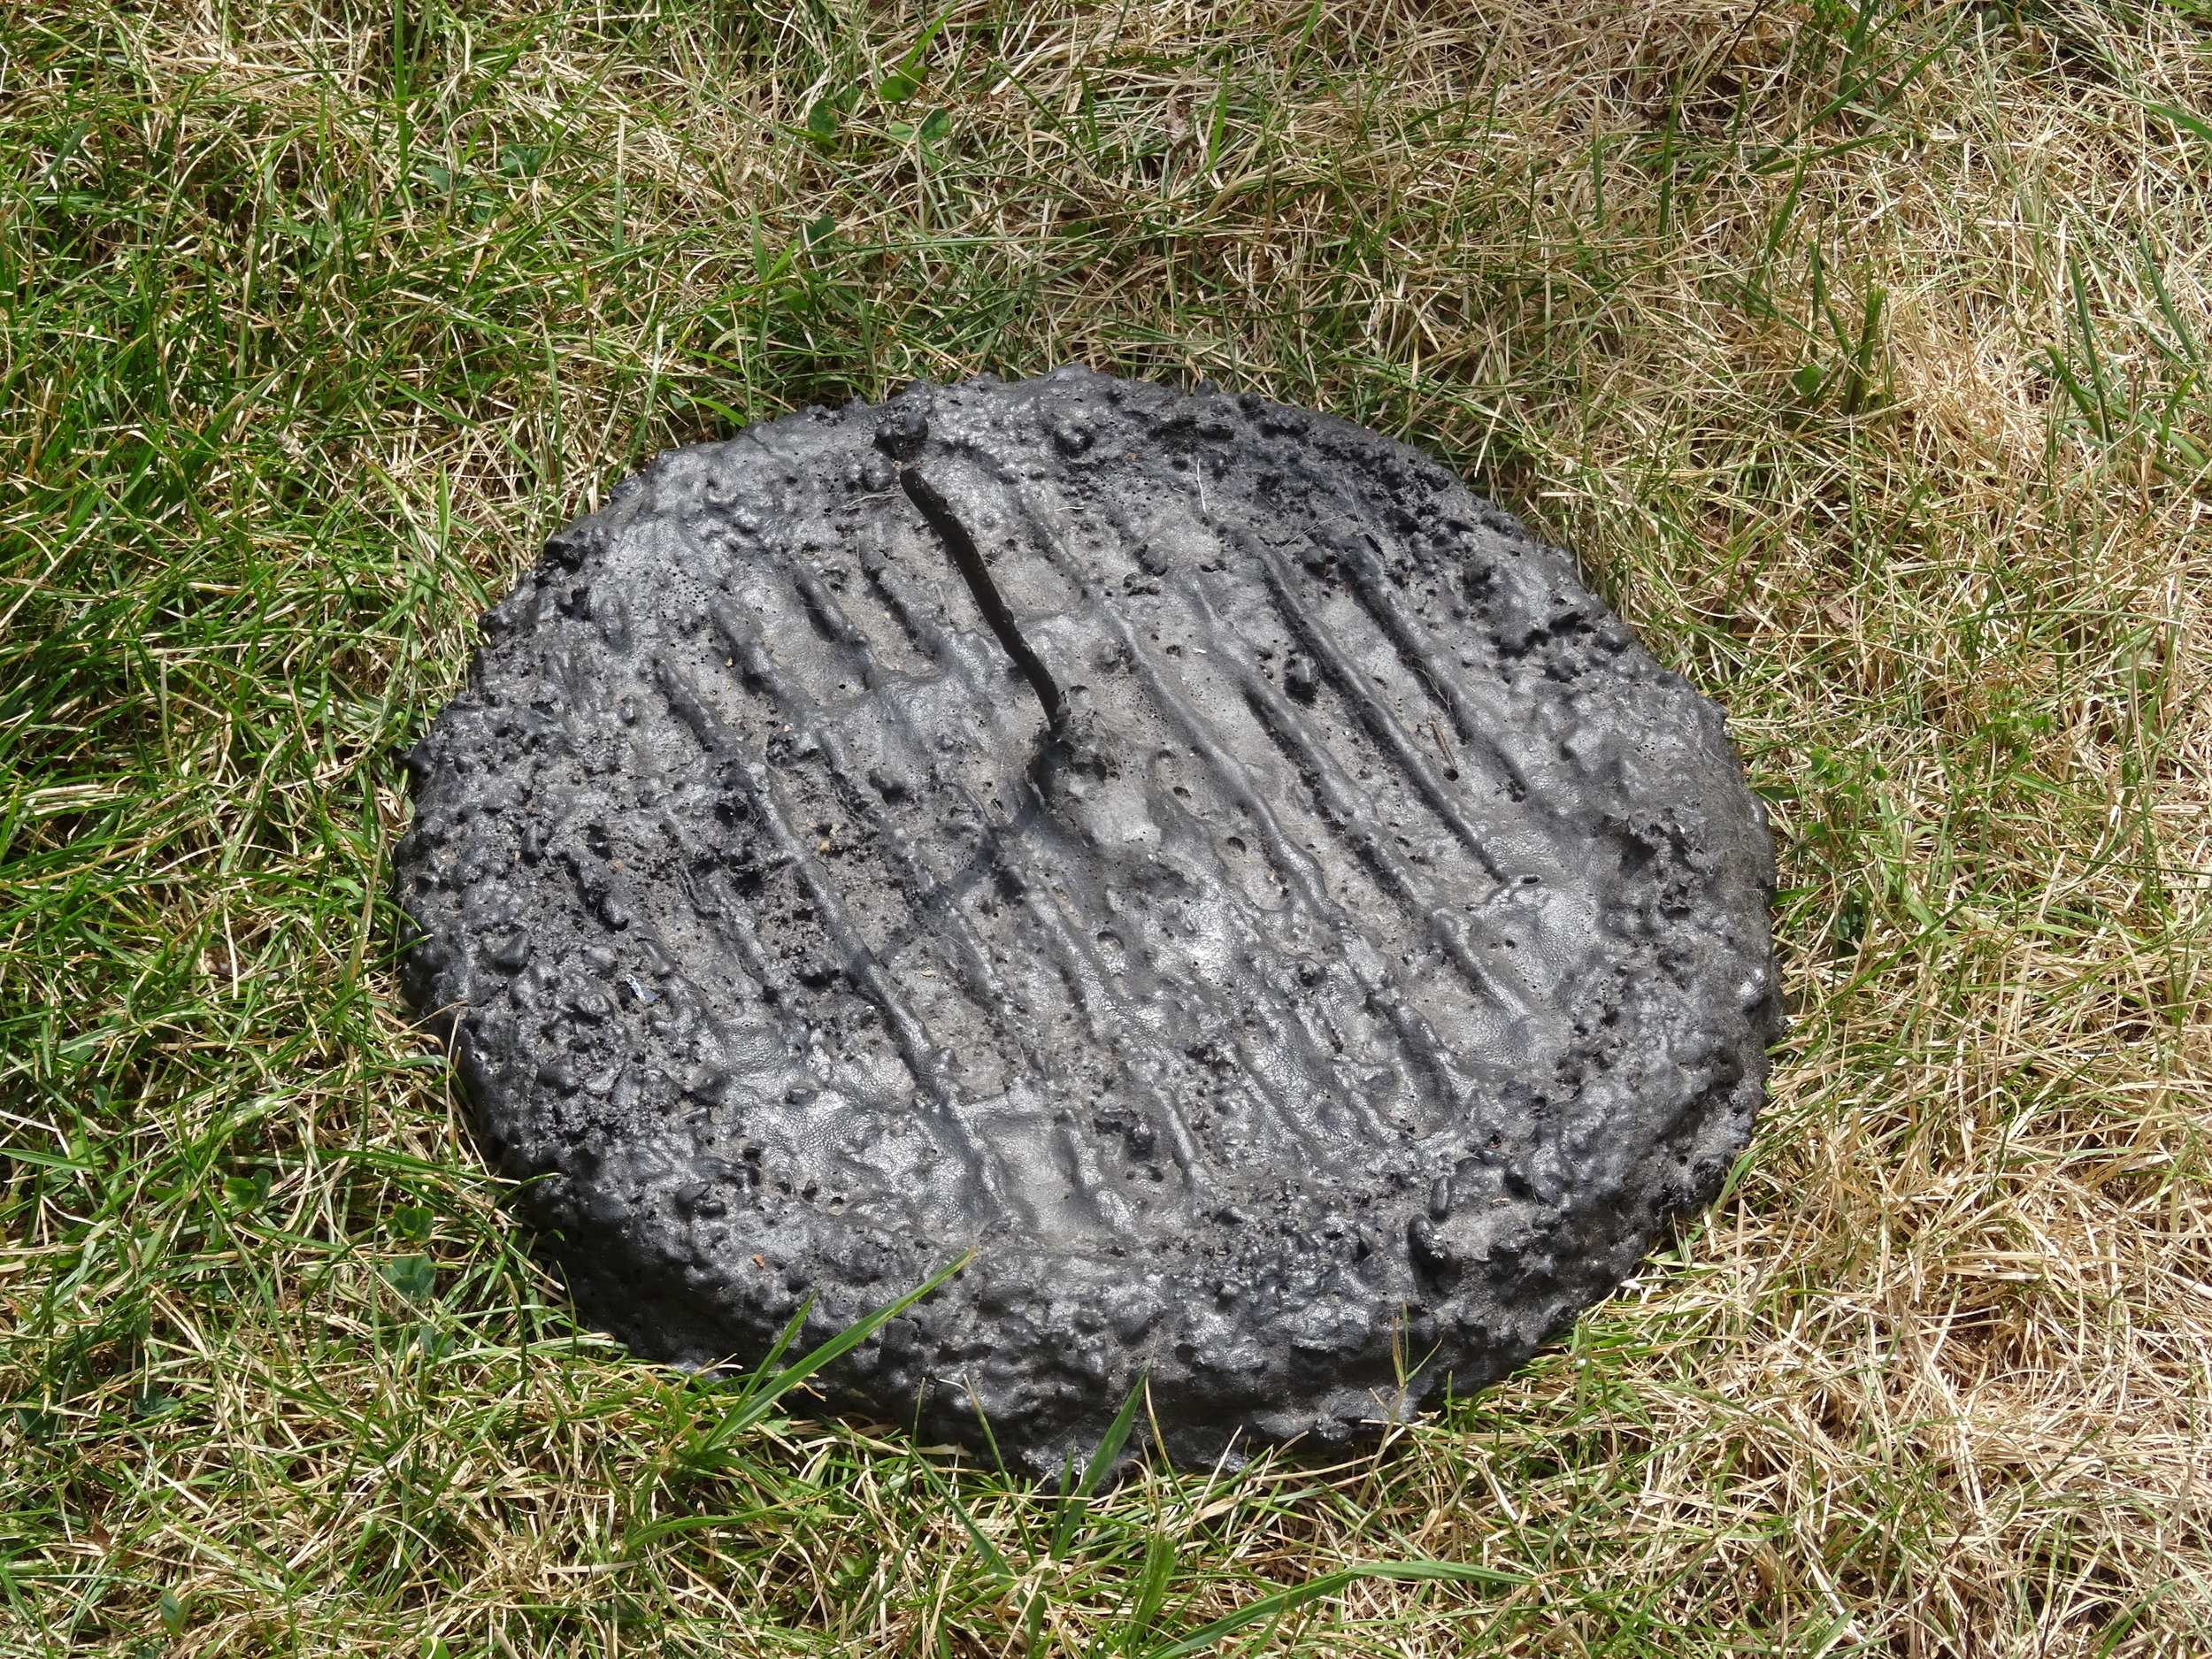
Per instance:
(1189,850)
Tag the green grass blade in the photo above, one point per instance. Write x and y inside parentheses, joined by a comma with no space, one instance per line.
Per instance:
(1282,1602)
(759,1396)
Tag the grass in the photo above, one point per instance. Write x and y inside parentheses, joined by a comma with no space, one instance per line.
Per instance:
(1863,356)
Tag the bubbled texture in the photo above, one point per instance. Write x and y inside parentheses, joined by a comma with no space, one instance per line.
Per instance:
(1189,850)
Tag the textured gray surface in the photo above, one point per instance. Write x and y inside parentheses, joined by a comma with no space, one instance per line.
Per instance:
(1190,850)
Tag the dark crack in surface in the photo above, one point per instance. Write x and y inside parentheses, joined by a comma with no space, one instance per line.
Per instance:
(1191,850)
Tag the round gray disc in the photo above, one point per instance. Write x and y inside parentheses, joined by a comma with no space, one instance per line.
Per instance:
(1190,851)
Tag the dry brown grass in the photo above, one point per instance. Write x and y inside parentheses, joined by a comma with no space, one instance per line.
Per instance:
(1861,357)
